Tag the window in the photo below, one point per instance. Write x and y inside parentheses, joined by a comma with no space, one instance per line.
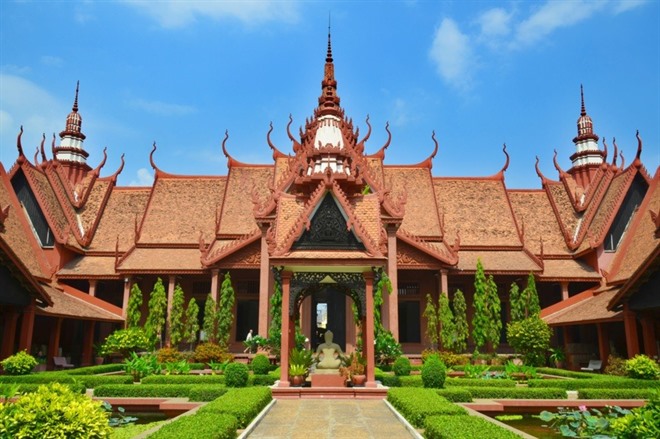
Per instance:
(408,288)
(247,317)
(247,287)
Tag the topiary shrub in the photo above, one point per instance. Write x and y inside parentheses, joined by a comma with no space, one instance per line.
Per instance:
(21,363)
(260,364)
(434,373)
(531,338)
(642,367)
(125,341)
(401,366)
(54,411)
(169,355)
(207,352)
(236,375)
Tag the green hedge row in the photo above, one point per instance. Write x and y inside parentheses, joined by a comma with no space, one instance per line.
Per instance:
(262,380)
(570,373)
(479,382)
(464,427)
(38,378)
(184,379)
(388,380)
(609,383)
(199,426)
(93,381)
(517,393)
(191,391)
(411,381)
(456,394)
(94,370)
(617,393)
(75,387)
(418,404)
(244,404)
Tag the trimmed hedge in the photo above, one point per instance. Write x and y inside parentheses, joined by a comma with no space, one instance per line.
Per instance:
(75,387)
(464,427)
(388,380)
(94,370)
(184,379)
(93,381)
(516,393)
(608,383)
(206,392)
(617,393)
(39,378)
(411,381)
(244,404)
(570,373)
(199,426)
(418,404)
(144,390)
(262,380)
(479,382)
(456,394)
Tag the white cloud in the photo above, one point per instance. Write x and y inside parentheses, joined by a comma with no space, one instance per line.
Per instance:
(144,178)
(625,5)
(453,54)
(176,14)
(161,108)
(495,22)
(52,61)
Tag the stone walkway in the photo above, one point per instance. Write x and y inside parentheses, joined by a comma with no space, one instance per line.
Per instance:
(329,418)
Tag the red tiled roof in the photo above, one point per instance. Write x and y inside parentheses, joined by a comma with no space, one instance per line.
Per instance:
(586,307)
(568,270)
(416,184)
(479,208)
(158,260)
(90,211)
(535,214)
(561,201)
(514,261)
(79,305)
(237,208)
(84,267)
(47,201)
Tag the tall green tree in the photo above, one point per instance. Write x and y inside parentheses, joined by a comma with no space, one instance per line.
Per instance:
(175,319)
(431,315)
(530,298)
(494,307)
(275,328)
(447,324)
(460,322)
(192,322)
(133,314)
(481,314)
(517,308)
(209,325)
(225,311)
(384,285)
(157,309)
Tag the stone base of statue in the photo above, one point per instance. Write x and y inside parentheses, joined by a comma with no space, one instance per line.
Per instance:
(327,378)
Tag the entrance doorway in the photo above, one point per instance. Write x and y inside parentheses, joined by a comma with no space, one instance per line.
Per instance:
(328,313)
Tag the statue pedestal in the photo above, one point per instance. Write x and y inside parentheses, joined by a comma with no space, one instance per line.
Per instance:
(327,378)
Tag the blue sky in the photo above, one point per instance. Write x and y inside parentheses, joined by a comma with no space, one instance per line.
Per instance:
(478,73)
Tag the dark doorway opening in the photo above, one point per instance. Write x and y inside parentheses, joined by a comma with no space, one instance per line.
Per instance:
(328,313)
(247,317)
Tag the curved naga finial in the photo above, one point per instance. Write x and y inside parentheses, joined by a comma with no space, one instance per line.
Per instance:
(276,152)
(638,155)
(539,173)
(224,145)
(36,156)
(43,152)
(296,144)
(151,158)
(557,167)
(97,171)
(52,148)
(506,163)
(616,149)
(623,159)
(435,150)
(366,137)
(19,145)
(121,168)
(604,150)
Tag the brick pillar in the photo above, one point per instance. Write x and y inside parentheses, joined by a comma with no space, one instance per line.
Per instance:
(444,283)
(391,301)
(649,336)
(564,290)
(630,326)
(54,341)
(170,299)
(92,287)
(88,343)
(603,343)
(27,328)
(215,273)
(264,286)
(286,328)
(368,347)
(127,293)
(9,333)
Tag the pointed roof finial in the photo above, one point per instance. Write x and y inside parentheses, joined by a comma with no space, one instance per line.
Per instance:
(328,57)
(583,111)
(75,101)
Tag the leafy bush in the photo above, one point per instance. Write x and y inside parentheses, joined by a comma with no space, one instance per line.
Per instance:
(38,378)
(169,355)
(520,371)
(475,370)
(260,364)
(141,366)
(531,338)
(199,426)
(617,393)
(434,373)
(456,394)
(642,367)
(401,366)
(464,427)
(615,366)
(244,404)
(54,411)
(262,380)
(516,393)
(184,379)
(641,422)
(125,341)
(236,375)
(206,393)
(301,357)
(386,348)
(417,404)
(21,363)
(75,387)
(207,352)
(144,390)
(181,367)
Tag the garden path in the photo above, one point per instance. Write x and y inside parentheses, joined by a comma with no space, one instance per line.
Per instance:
(325,418)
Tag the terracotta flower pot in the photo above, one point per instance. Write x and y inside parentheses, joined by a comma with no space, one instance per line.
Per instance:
(359,380)
(297,381)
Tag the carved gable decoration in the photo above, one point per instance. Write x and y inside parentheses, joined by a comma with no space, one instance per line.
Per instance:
(410,257)
(249,256)
(328,230)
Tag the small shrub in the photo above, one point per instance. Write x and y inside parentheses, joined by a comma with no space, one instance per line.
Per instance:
(464,427)
(260,364)
(615,366)
(434,373)
(456,394)
(236,375)
(141,366)
(21,363)
(262,380)
(169,355)
(642,367)
(125,341)
(207,352)
(531,338)
(641,422)
(54,411)
(401,366)
(199,426)
(206,392)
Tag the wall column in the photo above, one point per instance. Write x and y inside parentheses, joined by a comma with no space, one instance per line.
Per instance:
(264,284)
(286,328)
(92,287)
(391,301)
(564,290)
(369,329)
(444,283)
(127,293)
(27,328)
(648,336)
(54,342)
(215,273)
(630,326)
(603,343)
(88,343)
(9,333)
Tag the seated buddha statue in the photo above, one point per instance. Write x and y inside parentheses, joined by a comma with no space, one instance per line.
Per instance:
(328,354)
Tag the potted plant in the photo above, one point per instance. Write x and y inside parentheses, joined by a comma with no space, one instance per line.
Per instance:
(297,373)
(557,357)
(98,350)
(353,369)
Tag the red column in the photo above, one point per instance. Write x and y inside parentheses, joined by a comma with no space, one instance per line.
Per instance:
(27,327)
(603,343)
(214,283)
(369,329)
(264,287)
(630,326)
(391,301)
(92,287)
(286,328)
(127,292)
(9,333)
(648,336)
(54,341)
(88,343)
(170,300)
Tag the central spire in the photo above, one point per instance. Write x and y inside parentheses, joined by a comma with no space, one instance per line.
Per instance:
(329,101)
